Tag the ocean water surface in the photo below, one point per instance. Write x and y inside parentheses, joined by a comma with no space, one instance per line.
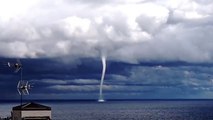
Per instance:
(125,110)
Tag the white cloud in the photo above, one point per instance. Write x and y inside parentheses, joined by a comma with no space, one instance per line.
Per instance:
(118,77)
(11,9)
(128,31)
(67,82)
(74,88)
(86,81)
(54,81)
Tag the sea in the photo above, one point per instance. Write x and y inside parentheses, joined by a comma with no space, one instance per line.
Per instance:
(124,109)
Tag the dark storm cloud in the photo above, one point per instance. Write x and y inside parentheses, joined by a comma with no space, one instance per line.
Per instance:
(147,80)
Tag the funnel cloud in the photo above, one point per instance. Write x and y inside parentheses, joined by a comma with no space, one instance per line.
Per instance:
(101,98)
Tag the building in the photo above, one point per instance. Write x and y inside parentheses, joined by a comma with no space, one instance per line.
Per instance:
(31,111)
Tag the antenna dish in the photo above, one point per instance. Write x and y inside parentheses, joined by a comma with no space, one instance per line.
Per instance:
(17,66)
(23,87)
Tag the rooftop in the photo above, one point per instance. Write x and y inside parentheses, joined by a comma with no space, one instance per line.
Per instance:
(31,106)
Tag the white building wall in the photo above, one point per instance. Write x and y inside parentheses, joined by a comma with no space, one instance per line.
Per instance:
(17,115)
(36,113)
